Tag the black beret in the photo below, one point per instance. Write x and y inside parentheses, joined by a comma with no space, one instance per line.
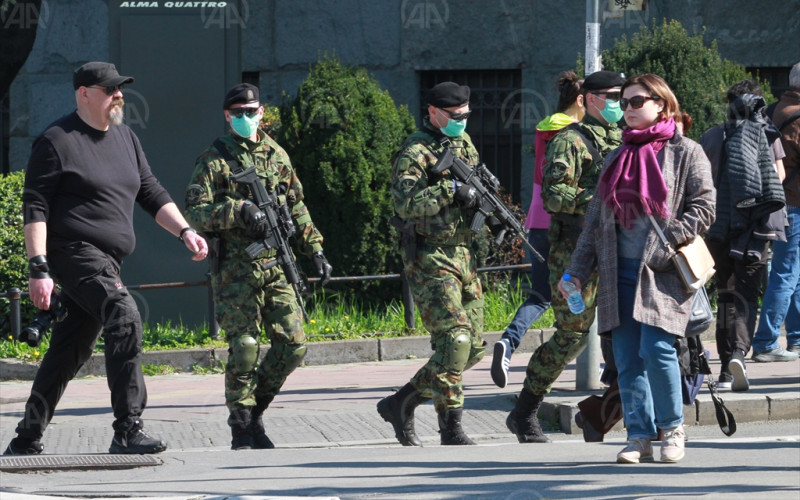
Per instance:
(244,93)
(98,73)
(448,95)
(600,80)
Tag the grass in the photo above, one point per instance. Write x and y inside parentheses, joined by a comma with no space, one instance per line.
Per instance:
(335,317)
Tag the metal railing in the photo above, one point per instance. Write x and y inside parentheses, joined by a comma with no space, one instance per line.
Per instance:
(15,295)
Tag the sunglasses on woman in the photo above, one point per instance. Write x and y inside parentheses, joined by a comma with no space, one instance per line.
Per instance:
(636,101)
(238,112)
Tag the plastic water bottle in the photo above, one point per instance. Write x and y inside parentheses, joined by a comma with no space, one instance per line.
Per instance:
(574,298)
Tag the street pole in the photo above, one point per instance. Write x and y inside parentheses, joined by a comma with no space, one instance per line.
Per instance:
(587,369)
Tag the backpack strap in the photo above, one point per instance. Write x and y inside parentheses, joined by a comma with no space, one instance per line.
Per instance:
(587,141)
(794,116)
(226,155)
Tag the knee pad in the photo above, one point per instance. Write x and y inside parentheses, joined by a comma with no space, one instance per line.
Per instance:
(286,357)
(243,353)
(476,354)
(457,353)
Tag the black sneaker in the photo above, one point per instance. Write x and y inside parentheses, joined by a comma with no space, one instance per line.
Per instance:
(725,380)
(737,369)
(22,446)
(501,360)
(135,442)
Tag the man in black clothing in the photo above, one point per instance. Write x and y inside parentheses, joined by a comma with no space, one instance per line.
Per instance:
(84,175)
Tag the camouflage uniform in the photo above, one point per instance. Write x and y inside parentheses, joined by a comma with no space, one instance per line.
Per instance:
(443,275)
(247,296)
(570,179)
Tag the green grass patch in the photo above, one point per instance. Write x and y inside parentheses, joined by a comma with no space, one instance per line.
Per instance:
(332,317)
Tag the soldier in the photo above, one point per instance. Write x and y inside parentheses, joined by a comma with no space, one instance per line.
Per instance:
(251,293)
(574,159)
(439,265)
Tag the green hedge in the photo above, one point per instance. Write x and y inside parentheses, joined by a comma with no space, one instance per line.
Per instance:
(13,263)
(694,70)
(341,131)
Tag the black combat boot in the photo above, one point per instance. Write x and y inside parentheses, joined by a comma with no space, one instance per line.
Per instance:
(450,428)
(256,428)
(398,410)
(523,421)
(239,420)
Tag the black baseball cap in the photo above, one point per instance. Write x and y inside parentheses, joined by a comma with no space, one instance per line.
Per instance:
(243,93)
(98,73)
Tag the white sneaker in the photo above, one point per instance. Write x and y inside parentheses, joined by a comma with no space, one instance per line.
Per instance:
(672,446)
(638,450)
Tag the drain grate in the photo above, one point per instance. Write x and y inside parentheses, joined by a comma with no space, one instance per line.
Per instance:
(37,463)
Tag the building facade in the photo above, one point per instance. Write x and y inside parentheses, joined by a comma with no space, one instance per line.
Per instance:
(184,55)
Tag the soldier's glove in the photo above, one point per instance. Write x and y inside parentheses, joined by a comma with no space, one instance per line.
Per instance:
(497,229)
(465,195)
(253,219)
(324,268)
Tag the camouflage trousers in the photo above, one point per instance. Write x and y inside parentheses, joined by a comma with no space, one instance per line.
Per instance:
(447,291)
(247,300)
(569,339)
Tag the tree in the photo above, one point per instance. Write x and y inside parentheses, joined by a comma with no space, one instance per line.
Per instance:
(341,131)
(697,74)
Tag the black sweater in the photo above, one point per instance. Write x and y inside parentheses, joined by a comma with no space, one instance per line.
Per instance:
(83,182)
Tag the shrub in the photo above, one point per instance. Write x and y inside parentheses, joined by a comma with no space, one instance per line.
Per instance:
(697,74)
(341,131)
(13,261)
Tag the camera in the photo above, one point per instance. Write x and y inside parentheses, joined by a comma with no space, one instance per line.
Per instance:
(33,333)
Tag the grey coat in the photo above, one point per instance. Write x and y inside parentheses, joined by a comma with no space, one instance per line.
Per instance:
(661,299)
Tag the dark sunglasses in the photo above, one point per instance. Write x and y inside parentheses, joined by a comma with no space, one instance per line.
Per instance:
(636,101)
(457,116)
(238,112)
(611,96)
(108,90)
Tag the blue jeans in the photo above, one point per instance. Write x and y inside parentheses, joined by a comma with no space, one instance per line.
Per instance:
(539,299)
(649,376)
(782,298)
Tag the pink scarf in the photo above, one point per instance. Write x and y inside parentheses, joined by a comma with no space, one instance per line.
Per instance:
(633,184)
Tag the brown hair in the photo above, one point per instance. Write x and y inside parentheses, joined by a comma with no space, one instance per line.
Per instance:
(569,88)
(657,87)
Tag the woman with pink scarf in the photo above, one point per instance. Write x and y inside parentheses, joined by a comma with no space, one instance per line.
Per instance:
(641,299)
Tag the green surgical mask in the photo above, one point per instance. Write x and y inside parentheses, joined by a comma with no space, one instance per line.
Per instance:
(612,113)
(454,128)
(244,126)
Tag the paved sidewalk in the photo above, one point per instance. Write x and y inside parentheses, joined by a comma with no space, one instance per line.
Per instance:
(334,406)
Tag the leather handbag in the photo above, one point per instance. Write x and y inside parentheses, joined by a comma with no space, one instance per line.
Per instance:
(702,316)
(693,261)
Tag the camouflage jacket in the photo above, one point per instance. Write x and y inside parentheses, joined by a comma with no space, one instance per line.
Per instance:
(424,198)
(570,173)
(213,198)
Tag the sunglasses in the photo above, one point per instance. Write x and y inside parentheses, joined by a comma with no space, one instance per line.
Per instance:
(636,101)
(611,96)
(457,116)
(108,90)
(238,112)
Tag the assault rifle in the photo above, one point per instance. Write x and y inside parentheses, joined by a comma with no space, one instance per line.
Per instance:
(279,229)
(489,204)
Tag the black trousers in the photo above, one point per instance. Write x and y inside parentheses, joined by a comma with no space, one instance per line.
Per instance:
(96,300)
(739,287)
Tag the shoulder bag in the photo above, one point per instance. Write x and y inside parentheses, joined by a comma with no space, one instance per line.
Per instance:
(693,261)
